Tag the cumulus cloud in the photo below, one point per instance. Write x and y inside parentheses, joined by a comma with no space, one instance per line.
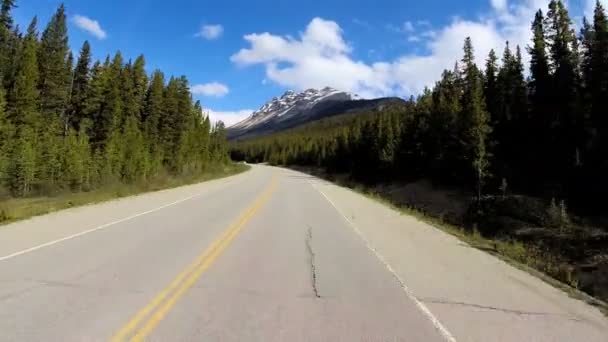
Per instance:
(214,89)
(210,32)
(229,118)
(89,25)
(321,57)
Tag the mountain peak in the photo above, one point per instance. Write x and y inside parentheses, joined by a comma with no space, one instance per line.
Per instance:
(291,104)
(297,108)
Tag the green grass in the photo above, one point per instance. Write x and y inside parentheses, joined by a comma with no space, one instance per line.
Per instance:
(15,209)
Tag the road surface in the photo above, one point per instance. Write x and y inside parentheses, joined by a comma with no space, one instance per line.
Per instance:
(268,255)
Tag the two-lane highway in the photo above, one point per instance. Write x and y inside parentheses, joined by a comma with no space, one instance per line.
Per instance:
(268,255)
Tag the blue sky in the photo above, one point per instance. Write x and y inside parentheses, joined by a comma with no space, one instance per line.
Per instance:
(239,54)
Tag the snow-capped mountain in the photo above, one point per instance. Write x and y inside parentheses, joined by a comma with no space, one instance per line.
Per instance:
(293,109)
(292,104)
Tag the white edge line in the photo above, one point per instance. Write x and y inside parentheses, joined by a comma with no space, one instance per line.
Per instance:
(103,226)
(425,310)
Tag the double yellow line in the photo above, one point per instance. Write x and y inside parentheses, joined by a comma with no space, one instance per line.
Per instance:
(160,305)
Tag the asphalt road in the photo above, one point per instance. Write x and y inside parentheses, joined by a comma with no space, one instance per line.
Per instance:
(268,255)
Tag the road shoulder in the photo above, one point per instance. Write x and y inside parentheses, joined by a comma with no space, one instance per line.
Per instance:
(475,295)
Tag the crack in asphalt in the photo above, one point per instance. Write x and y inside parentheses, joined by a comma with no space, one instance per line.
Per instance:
(311,258)
(493,308)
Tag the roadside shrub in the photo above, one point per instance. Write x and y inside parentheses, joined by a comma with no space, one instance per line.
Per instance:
(4,215)
(557,216)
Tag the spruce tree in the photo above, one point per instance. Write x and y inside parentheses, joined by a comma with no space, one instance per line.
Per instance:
(9,50)
(23,167)
(475,123)
(6,19)
(95,103)
(24,94)
(563,48)
(23,112)
(54,74)
(505,88)
(491,85)
(152,113)
(135,165)
(6,140)
(599,75)
(7,37)
(540,82)
(140,85)
(108,116)
(80,87)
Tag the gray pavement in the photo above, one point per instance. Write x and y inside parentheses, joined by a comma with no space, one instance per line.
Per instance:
(300,260)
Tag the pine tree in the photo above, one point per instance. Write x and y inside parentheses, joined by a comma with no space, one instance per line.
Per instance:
(8,51)
(140,85)
(23,113)
(474,118)
(151,116)
(95,103)
(108,119)
(505,88)
(520,91)
(491,86)
(135,165)
(22,165)
(24,94)
(563,48)
(6,140)
(7,37)
(50,153)
(540,83)
(441,137)
(587,38)
(599,74)
(54,74)
(6,19)
(80,87)
(76,158)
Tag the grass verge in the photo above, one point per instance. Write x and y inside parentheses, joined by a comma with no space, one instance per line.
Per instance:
(515,253)
(15,209)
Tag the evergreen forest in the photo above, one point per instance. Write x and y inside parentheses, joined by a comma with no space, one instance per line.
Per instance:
(72,123)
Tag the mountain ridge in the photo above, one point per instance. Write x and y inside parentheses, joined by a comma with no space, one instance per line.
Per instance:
(293,109)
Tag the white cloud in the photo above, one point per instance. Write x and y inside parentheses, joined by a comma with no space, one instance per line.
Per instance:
(408,26)
(321,57)
(89,25)
(210,32)
(499,5)
(229,118)
(215,89)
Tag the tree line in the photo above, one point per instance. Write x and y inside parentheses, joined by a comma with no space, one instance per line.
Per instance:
(484,127)
(69,124)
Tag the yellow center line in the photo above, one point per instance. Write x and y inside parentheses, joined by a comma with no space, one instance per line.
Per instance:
(169,296)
